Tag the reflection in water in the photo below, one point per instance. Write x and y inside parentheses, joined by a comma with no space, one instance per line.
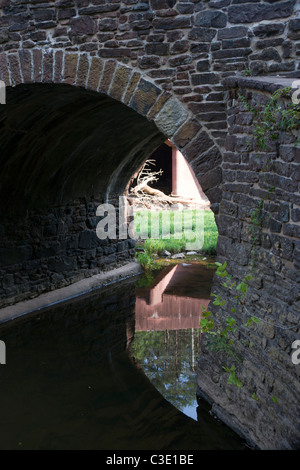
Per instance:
(167,338)
(70,383)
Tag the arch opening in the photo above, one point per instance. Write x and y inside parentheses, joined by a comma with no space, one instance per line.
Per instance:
(59,143)
(65,150)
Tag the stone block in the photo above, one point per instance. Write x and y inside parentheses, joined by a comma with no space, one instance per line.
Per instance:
(186,133)
(108,72)
(70,67)
(162,4)
(198,146)
(269,29)
(83,25)
(134,80)
(120,82)
(83,70)
(178,22)
(204,78)
(4,73)
(295,214)
(25,60)
(211,19)
(154,110)
(157,48)
(171,117)
(149,62)
(179,47)
(202,34)
(107,24)
(254,13)
(14,67)
(210,179)
(48,67)
(58,67)
(144,97)
(88,239)
(95,72)
(233,32)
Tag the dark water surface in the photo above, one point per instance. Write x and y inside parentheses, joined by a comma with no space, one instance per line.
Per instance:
(76,378)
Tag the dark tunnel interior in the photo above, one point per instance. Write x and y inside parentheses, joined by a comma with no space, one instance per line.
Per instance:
(59,143)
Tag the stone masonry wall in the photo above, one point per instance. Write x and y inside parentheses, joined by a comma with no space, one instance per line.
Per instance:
(54,248)
(266,409)
(166,60)
(149,55)
(184,47)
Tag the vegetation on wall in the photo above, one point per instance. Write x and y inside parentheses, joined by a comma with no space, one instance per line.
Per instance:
(276,115)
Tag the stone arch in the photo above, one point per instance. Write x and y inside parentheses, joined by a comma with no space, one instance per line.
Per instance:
(129,87)
(47,215)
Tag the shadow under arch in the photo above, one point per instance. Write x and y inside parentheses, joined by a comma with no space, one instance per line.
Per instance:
(76,127)
(164,117)
(59,143)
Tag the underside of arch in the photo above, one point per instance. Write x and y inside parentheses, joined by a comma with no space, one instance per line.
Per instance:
(69,144)
(59,143)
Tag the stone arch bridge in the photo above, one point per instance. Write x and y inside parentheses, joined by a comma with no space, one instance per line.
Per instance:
(94,86)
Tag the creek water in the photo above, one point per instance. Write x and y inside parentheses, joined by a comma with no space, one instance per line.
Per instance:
(112,370)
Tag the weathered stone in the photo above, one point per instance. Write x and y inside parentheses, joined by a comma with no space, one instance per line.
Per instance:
(202,34)
(233,32)
(179,22)
(119,85)
(294,24)
(211,19)
(4,74)
(25,59)
(95,71)
(186,132)
(84,25)
(162,4)
(165,59)
(107,24)
(199,145)
(251,13)
(266,30)
(267,54)
(296,215)
(148,62)
(134,80)
(157,48)
(171,117)
(83,70)
(144,97)
(70,68)
(107,75)
(204,78)
(210,179)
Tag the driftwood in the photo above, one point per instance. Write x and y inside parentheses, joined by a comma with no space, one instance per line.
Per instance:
(159,195)
(146,195)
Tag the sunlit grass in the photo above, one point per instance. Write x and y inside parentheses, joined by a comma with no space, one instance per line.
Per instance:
(174,230)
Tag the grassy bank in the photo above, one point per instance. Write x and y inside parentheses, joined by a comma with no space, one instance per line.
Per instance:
(175,230)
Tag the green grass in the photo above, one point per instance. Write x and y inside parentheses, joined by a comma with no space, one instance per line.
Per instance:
(173,230)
